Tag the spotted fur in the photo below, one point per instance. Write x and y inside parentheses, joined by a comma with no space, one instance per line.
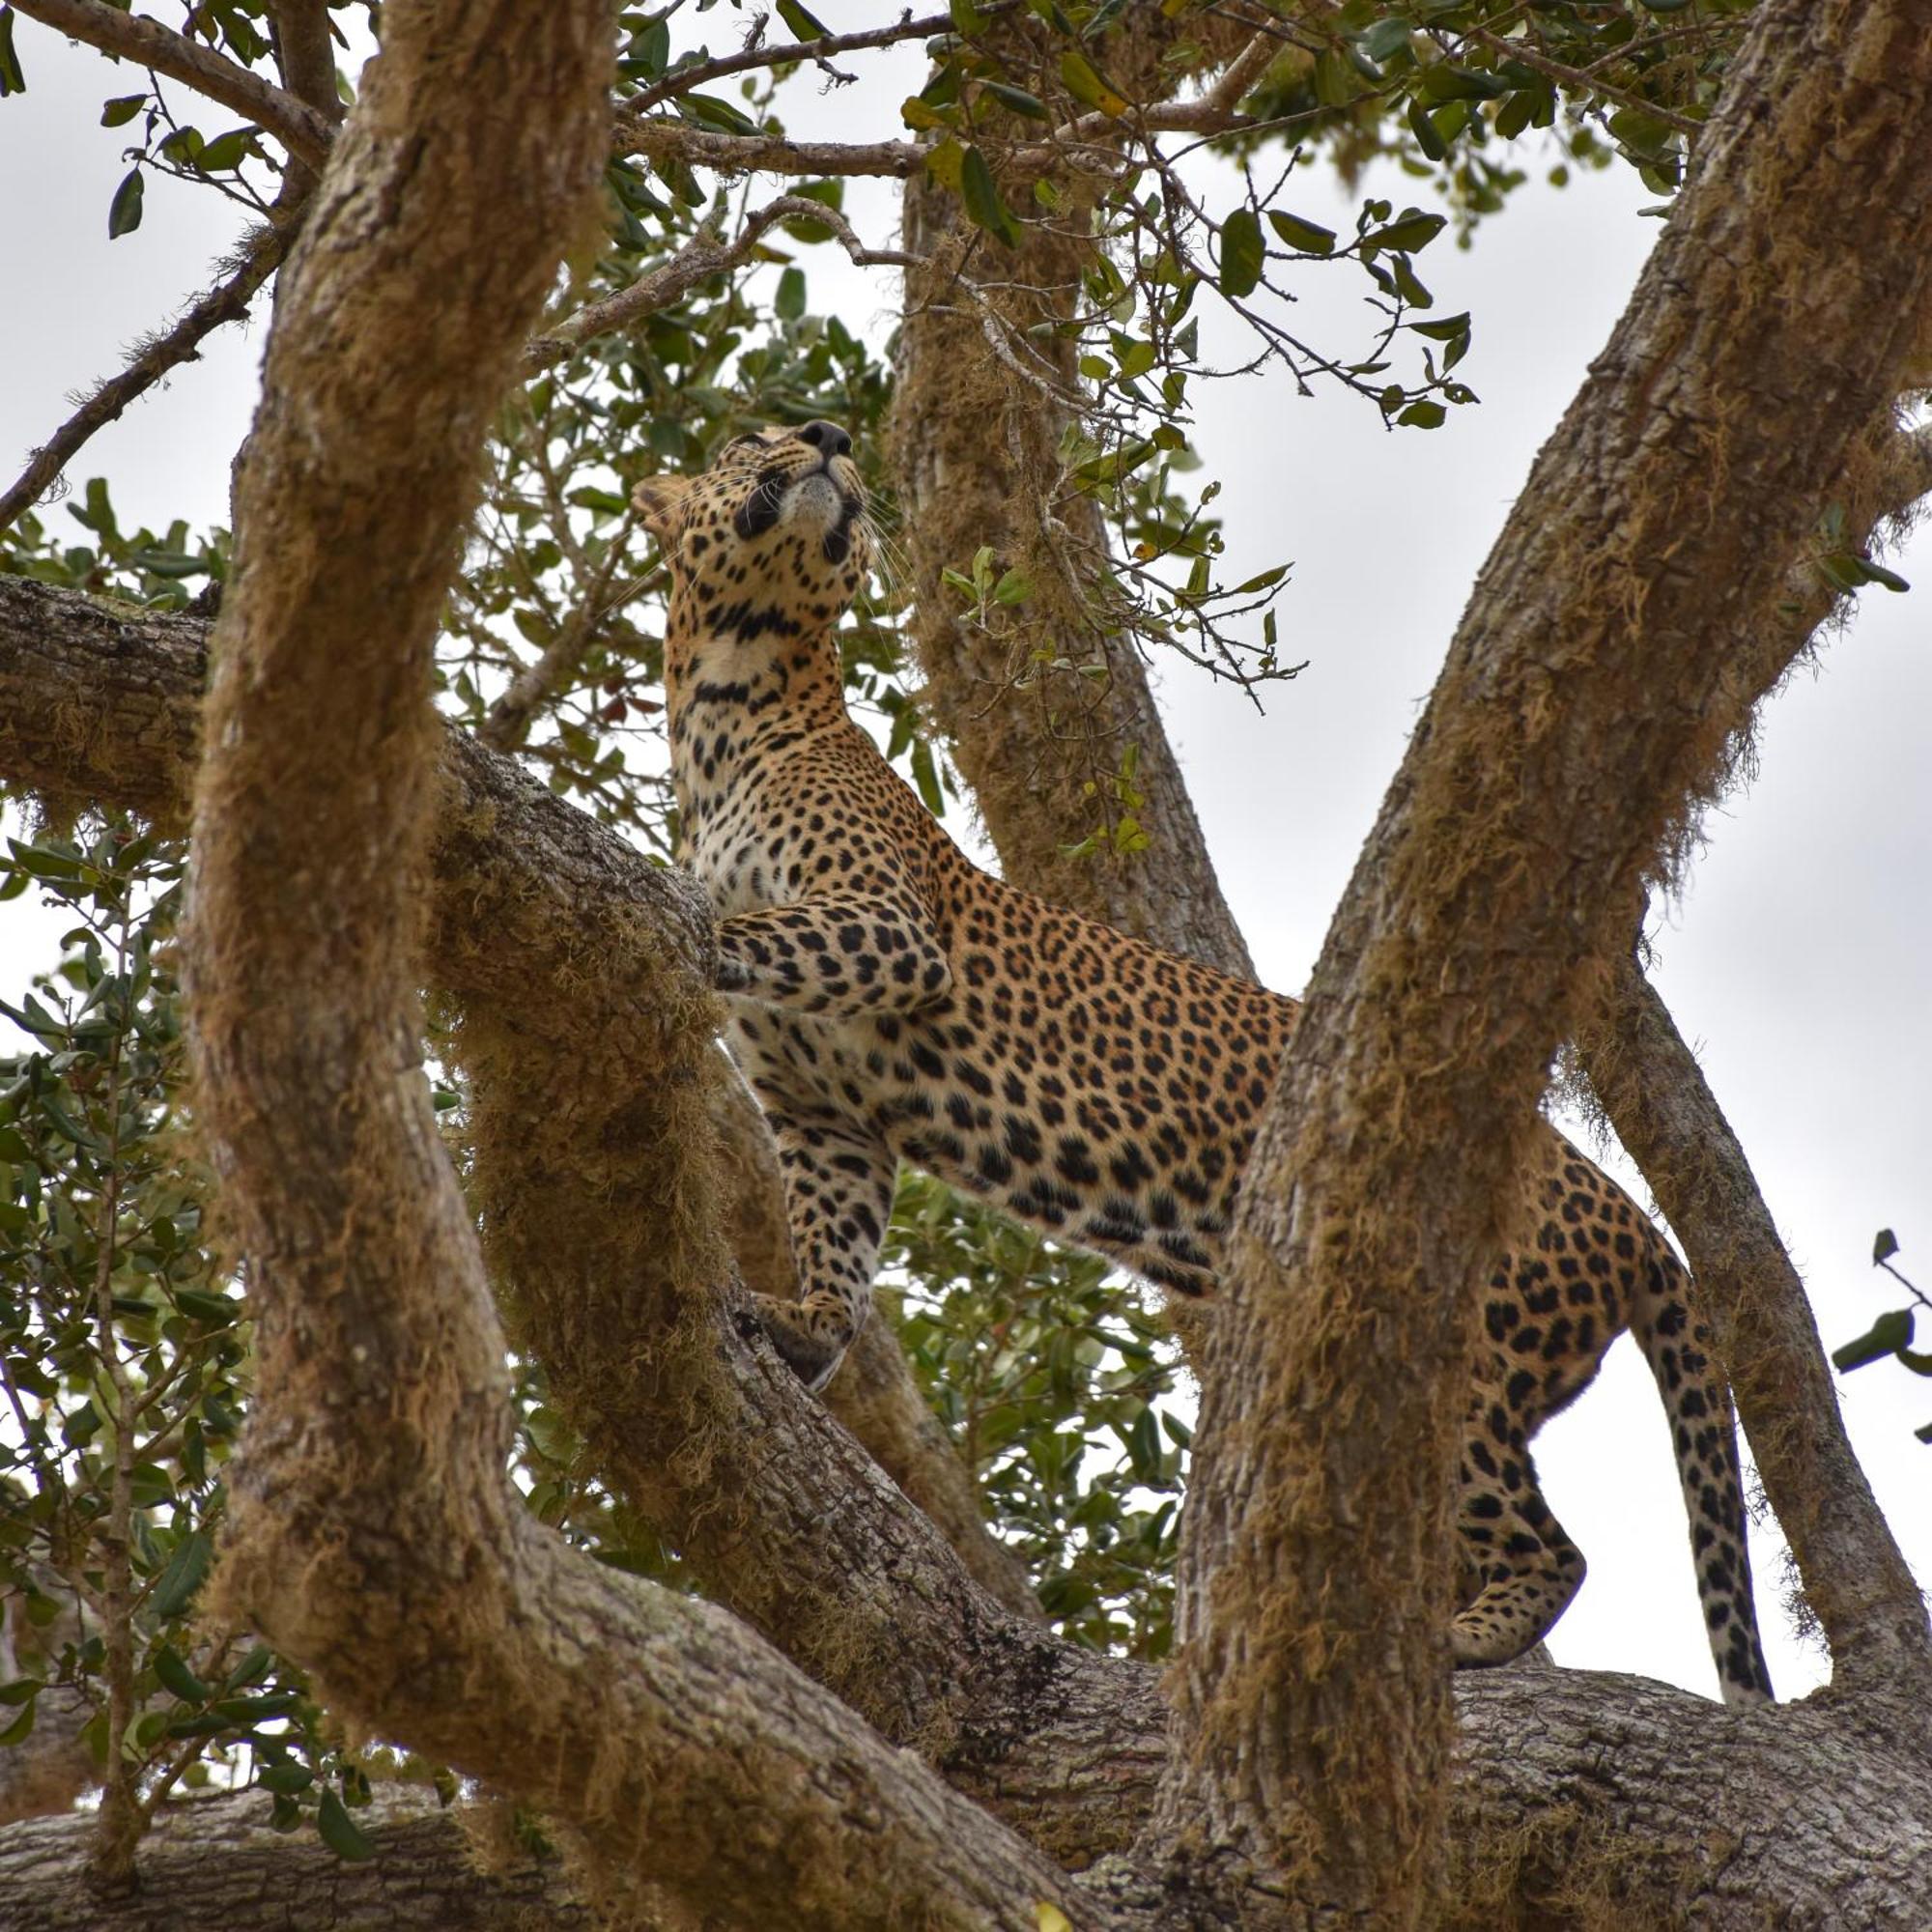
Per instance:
(891,1002)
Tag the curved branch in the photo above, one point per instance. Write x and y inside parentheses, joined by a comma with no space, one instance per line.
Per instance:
(303,132)
(227,301)
(703,256)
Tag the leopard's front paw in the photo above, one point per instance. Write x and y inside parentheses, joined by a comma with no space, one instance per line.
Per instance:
(812,1342)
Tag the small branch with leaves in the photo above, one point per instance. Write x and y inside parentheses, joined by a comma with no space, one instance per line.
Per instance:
(1891,1334)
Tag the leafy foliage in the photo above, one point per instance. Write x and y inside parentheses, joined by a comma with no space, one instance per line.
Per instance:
(125,1361)
(1891,1334)
(1061,1389)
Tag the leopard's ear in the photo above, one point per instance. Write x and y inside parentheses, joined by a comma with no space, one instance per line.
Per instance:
(656,500)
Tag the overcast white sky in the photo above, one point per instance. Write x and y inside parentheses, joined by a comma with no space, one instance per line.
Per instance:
(1798,962)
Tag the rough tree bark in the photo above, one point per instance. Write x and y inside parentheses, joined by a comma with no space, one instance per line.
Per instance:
(216,1862)
(976,463)
(1581,703)
(98,704)
(1644,1081)
(373,1533)
(424,1388)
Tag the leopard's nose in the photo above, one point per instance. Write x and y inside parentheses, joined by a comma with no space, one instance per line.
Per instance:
(827,437)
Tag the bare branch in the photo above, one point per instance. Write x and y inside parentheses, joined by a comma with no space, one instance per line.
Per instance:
(790,52)
(227,301)
(662,140)
(294,123)
(697,260)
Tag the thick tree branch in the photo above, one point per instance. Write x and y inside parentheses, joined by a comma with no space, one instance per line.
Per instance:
(975,449)
(1654,1093)
(216,1862)
(303,132)
(1646,1083)
(584,964)
(1582,699)
(372,1532)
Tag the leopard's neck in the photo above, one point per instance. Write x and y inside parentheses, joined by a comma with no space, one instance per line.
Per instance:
(740,684)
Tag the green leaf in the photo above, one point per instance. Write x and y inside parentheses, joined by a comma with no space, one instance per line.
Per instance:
(1309,237)
(790,302)
(225,151)
(1424,415)
(806,26)
(122,109)
(1015,586)
(1242,253)
(123,211)
(21,1691)
(1886,1336)
(925,776)
(177,1678)
(709,111)
(17,1731)
(204,1306)
(1017,101)
(286,1779)
(967,18)
(11,79)
(983,204)
(187,1570)
(339,1831)
(1085,85)
(1410,231)
(1889,579)
(1432,143)
(1884,1244)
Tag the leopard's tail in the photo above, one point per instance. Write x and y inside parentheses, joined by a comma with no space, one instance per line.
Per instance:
(1704,1436)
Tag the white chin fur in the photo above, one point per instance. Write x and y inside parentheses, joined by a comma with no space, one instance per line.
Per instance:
(814,499)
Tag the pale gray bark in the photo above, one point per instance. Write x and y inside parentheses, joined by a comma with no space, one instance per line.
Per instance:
(215,1862)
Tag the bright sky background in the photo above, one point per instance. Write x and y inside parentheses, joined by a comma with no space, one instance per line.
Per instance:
(1798,962)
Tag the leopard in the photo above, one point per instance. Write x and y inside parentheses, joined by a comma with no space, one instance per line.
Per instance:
(888,1001)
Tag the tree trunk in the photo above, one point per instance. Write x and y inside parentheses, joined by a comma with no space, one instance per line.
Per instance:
(974,449)
(1580,704)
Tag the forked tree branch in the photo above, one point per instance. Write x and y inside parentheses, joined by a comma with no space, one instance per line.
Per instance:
(1585,696)
(373,1533)
(103,705)
(705,255)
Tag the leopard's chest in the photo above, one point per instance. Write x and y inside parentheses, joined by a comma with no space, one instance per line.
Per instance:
(739,854)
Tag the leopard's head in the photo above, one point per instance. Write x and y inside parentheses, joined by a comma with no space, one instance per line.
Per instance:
(775,523)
